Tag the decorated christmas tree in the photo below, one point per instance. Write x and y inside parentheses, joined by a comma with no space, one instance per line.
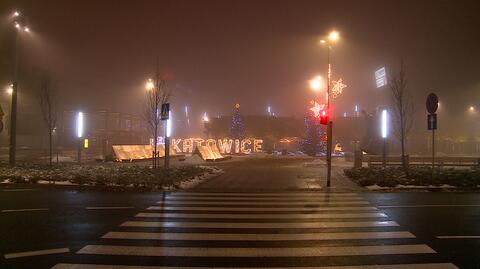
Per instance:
(313,141)
(237,129)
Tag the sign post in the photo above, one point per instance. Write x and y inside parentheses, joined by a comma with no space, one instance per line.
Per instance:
(432,106)
(165,116)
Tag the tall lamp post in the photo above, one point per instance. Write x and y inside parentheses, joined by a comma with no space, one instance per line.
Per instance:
(13,114)
(332,37)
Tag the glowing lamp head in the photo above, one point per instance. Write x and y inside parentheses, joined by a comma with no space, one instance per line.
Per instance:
(316,83)
(333,36)
(80,124)
(471,109)
(205,117)
(149,85)
(384,126)
(323,41)
(26,29)
(16,14)
(17,25)
(10,89)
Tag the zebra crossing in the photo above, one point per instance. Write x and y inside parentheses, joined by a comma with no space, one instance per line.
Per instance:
(258,230)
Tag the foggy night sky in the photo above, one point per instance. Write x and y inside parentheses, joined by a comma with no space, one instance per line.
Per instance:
(99,53)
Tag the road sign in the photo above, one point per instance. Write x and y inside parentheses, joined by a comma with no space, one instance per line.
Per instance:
(432,121)
(432,103)
(164,114)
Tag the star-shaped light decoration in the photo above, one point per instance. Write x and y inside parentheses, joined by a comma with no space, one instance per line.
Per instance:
(337,88)
(317,108)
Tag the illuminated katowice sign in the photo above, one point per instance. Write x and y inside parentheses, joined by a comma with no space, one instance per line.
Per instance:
(225,145)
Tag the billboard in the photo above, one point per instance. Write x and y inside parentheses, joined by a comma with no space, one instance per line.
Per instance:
(381,77)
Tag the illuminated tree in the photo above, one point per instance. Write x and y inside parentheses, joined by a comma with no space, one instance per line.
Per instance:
(313,140)
(237,129)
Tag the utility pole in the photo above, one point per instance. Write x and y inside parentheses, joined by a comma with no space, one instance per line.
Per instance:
(13,109)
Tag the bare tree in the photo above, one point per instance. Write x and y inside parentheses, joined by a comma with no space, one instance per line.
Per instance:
(157,94)
(403,109)
(48,106)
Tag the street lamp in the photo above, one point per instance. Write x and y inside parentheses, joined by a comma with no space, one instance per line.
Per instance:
(316,83)
(149,85)
(10,89)
(332,37)
(13,114)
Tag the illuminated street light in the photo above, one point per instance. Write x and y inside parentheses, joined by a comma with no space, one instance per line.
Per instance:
(17,25)
(16,14)
(26,29)
(316,83)
(169,126)
(333,36)
(471,109)
(149,85)
(10,89)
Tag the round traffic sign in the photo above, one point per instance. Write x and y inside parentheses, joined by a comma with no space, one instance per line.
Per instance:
(432,103)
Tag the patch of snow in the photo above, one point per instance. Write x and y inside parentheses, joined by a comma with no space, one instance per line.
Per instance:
(63,183)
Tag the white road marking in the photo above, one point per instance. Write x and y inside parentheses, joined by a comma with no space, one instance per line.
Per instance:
(402,206)
(249,225)
(306,199)
(24,210)
(257,237)
(262,216)
(305,203)
(275,209)
(258,194)
(107,207)
(256,252)
(36,253)
(20,190)
(458,237)
(378,266)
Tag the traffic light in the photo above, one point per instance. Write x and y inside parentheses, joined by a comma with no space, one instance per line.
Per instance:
(324,117)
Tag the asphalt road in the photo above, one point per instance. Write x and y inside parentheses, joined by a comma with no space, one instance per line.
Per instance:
(284,227)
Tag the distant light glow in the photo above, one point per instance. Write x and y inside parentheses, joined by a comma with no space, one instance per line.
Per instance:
(80,124)
(169,124)
(381,77)
(334,36)
(16,14)
(186,111)
(356,108)
(26,29)
(10,89)
(344,114)
(17,25)
(323,41)
(205,117)
(471,109)
(316,83)
(384,123)
(149,84)
(269,110)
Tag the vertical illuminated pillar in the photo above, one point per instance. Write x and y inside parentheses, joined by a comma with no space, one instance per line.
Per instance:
(80,127)
(384,132)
